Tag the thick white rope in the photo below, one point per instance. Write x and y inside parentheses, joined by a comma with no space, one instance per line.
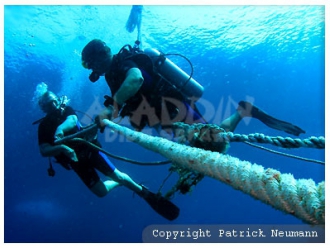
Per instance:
(299,197)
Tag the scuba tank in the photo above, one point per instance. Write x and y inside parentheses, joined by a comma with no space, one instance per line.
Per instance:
(171,73)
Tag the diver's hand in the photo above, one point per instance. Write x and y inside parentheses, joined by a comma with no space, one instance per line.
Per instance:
(59,134)
(70,153)
(105,114)
(99,123)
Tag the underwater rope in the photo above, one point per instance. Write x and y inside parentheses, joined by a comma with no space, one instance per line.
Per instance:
(285,154)
(91,131)
(219,135)
(213,137)
(118,157)
(299,197)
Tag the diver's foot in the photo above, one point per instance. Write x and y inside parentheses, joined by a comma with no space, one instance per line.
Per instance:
(246,109)
(144,192)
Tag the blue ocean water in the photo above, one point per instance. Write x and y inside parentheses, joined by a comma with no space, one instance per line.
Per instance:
(271,55)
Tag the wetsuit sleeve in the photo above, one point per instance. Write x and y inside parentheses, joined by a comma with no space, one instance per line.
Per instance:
(45,133)
(117,75)
(126,65)
(48,126)
(68,111)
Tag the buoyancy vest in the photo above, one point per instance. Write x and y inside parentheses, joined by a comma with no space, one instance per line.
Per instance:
(162,78)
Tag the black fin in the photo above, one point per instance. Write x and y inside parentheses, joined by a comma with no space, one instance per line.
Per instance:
(134,19)
(270,121)
(161,205)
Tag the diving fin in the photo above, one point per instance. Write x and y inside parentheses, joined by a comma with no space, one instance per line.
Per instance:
(134,19)
(160,204)
(247,109)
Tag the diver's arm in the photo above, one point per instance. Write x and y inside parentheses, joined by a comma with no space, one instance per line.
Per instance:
(130,86)
(48,150)
(69,124)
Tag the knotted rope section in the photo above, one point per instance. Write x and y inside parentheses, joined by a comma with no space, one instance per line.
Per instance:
(214,133)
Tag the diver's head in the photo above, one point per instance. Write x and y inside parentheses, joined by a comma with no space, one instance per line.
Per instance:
(49,102)
(96,56)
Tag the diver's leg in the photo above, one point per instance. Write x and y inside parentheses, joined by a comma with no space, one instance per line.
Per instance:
(244,109)
(125,180)
(161,205)
(104,165)
(92,180)
(230,124)
(101,189)
(110,184)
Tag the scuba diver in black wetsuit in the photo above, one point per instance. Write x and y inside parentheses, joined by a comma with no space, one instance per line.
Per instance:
(151,90)
(137,91)
(60,121)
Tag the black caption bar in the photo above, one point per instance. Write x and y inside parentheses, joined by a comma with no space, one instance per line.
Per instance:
(234,234)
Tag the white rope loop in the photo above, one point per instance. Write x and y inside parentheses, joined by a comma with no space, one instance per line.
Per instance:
(301,197)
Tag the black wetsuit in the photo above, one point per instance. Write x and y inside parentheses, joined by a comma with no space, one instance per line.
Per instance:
(151,97)
(89,159)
